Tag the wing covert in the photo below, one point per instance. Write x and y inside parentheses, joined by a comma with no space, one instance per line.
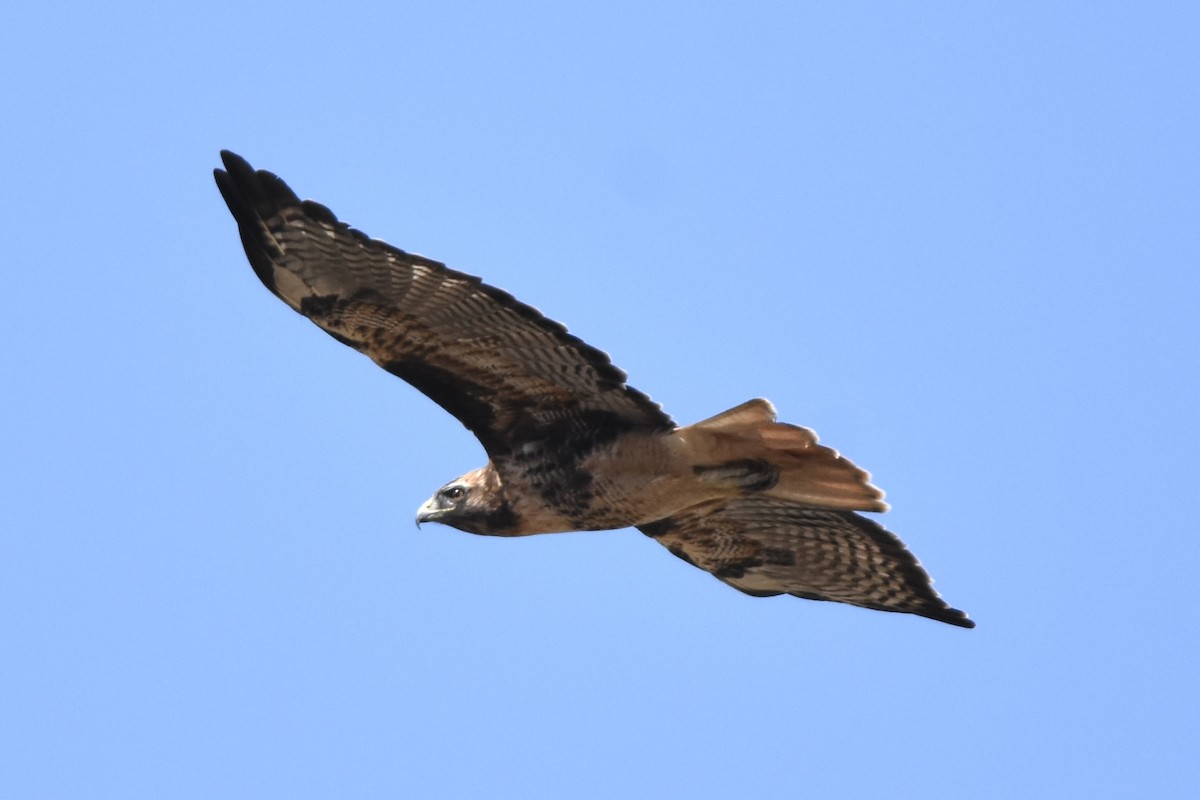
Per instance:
(764,546)
(501,367)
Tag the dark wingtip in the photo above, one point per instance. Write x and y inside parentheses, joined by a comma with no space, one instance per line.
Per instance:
(253,197)
(262,192)
(233,161)
(951,616)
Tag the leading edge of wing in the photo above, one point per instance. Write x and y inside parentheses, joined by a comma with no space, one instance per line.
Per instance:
(265,209)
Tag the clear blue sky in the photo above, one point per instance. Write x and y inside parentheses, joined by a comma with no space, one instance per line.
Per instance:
(959,240)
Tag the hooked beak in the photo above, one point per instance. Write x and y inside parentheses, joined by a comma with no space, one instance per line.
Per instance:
(429,512)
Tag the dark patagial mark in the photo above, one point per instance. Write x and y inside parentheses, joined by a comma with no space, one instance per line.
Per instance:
(679,552)
(810,596)
(462,398)
(325,307)
(658,528)
(581,429)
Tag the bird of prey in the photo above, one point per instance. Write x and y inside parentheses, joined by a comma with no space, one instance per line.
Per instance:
(571,446)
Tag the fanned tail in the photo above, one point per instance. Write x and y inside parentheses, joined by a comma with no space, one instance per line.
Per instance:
(746,449)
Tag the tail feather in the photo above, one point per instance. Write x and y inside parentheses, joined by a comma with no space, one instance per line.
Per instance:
(803,470)
(758,411)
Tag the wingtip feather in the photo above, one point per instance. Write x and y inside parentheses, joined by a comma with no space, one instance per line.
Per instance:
(952,616)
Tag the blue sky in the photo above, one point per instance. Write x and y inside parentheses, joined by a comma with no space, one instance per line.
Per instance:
(959,240)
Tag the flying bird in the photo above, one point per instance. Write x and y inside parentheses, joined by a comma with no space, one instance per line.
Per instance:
(571,446)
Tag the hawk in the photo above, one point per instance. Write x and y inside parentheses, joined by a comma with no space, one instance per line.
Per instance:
(571,446)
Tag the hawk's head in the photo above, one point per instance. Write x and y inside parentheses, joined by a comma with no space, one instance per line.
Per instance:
(474,503)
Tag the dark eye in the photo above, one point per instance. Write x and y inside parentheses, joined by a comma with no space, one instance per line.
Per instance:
(453,493)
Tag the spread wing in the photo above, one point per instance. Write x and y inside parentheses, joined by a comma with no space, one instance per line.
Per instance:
(504,370)
(766,547)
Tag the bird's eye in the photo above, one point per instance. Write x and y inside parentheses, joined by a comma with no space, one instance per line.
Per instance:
(453,493)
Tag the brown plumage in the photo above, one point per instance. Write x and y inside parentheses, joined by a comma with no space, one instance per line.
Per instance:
(759,504)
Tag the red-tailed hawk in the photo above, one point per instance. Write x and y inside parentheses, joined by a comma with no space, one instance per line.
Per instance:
(571,446)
